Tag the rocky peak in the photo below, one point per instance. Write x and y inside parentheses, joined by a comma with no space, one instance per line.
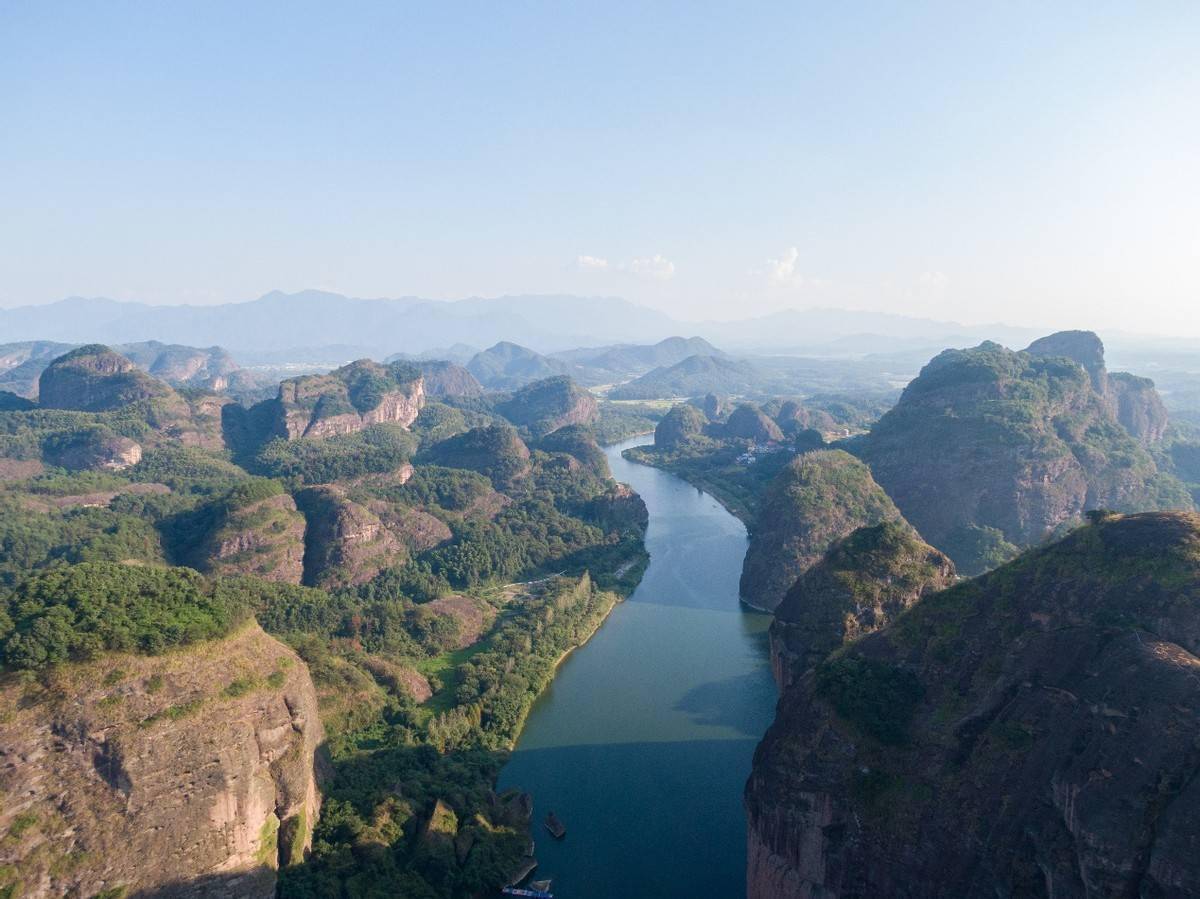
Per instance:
(1140,409)
(862,583)
(748,422)
(444,378)
(679,425)
(345,543)
(1018,445)
(256,530)
(549,404)
(93,378)
(348,399)
(714,406)
(817,498)
(1084,347)
(1032,732)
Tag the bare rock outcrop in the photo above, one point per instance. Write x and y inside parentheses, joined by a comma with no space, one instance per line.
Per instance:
(347,400)
(1015,446)
(95,448)
(93,378)
(345,542)
(549,404)
(1140,409)
(444,378)
(193,773)
(264,538)
(414,528)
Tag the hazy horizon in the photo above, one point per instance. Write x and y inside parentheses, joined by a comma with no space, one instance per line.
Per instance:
(1030,165)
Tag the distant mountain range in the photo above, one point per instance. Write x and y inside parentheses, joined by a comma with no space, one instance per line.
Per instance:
(358,327)
(280,323)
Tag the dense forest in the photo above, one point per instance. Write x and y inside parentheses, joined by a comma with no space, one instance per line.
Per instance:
(429,574)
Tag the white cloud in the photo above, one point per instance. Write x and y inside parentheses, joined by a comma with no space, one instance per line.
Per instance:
(591,263)
(933,280)
(656,267)
(783,269)
(652,268)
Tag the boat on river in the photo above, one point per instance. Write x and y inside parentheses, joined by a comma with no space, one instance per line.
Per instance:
(557,829)
(522,891)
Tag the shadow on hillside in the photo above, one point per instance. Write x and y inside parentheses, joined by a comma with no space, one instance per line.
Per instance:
(257,883)
(415,776)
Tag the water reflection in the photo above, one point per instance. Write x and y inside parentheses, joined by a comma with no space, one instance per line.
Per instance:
(644,741)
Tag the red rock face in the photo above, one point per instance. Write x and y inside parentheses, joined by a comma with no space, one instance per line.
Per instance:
(1022,443)
(164,805)
(1045,743)
(1139,408)
(396,407)
(345,543)
(95,379)
(264,539)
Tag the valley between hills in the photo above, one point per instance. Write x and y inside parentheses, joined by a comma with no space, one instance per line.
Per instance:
(268,633)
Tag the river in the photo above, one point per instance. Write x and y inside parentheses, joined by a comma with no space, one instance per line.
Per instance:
(643,742)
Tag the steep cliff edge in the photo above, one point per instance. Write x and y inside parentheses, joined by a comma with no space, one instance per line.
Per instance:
(93,378)
(96,379)
(195,770)
(990,450)
(862,584)
(817,498)
(345,542)
(255,529)
(345,400)
(1033,732)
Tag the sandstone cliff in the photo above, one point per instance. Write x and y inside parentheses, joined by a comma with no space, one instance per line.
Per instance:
(345,542)
(263,537)
(1018,443)
(862,584)
(93,378)
(94,448)
(819,497)
(1033,732)
(1140,409)
(192,773)
(448,379)
(347,399)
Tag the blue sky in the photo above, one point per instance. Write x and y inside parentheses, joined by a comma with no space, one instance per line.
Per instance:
(1028,162)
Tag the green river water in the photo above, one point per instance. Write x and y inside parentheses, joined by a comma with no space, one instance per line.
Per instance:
(643,742)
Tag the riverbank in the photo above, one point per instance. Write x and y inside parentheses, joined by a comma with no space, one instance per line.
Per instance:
(715,469)
(714,487)
(655,718)
(610,601)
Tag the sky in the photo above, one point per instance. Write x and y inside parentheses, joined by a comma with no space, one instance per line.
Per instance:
(1032,163)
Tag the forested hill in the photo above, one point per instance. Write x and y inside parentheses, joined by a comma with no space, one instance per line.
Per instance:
(426,561)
